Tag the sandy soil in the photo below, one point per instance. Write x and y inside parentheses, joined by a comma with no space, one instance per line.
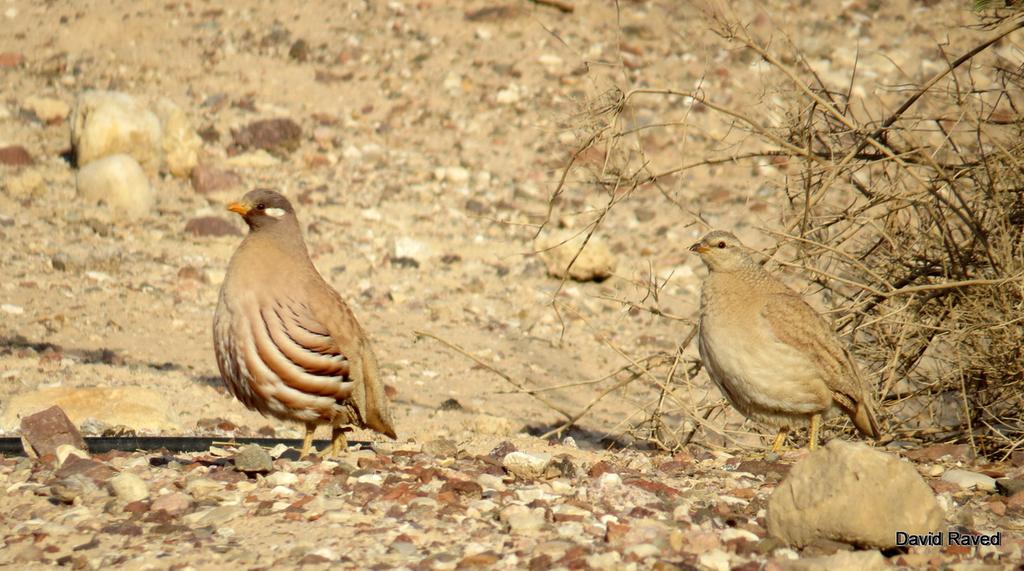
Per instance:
(434,131)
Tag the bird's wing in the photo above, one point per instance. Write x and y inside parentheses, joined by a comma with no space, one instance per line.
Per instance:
(796,324)
(368,395)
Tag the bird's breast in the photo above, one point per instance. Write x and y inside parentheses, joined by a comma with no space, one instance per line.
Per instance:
(755,370)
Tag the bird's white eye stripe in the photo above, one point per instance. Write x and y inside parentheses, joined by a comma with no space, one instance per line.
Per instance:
(275,212)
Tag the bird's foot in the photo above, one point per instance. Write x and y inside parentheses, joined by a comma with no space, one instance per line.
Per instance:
(339,442)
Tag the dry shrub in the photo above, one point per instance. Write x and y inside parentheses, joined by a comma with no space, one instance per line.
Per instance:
(911,223)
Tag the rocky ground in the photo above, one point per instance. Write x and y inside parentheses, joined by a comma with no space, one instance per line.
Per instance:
(421,143)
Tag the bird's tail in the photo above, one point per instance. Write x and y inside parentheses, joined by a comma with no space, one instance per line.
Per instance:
(864,420)
(375,409)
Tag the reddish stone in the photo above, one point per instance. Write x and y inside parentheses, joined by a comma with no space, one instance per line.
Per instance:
(137,507)
(599,468)
(1016,501)
(957,550)
(11,59)
(939,486)
(447,498)
(1017,458)
(463,488)
(400,493)
(46,430)
(427,475)
(278,137)
(676,466)
(485,559)
(96,471)
(211,226)
(206,179)
(15,156)
(654,487)
(615,532)
(939,451)
(997,507)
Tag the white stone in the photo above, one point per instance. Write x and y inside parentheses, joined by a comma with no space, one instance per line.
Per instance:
(642,550)
(129,487)
(64,451)
(119,182)
(457,175)
(12,309)
(969,480)
(551,62)
(526,465)
(509,95)
(561,486)
(491,482)
(408,247)
(376,479)
(737,533)
(483,506)
(842,561)
(47,109)
(255,159)
(605,561)
(281,479)
(715,559)
(106,123)
(180,142)
(609,481)
(200,488)
(558,250)
(453,83)
(522,519)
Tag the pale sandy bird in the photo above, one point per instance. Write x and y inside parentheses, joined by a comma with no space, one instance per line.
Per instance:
(772,356)
(286,344)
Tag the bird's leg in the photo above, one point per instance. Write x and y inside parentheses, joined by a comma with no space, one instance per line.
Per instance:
(779,439)
(815,423)
(307,442)
(338,442)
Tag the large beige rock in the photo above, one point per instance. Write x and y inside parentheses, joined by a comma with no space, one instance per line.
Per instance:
(120,183)
(106,123)
(853,493)
(841,561)
(595,263)
(180,141)
(135,407)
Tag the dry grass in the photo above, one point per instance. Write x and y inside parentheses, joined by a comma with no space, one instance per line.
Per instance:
(912,224)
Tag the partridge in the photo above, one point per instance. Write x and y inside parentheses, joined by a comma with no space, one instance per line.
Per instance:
(286,344)
(772,356)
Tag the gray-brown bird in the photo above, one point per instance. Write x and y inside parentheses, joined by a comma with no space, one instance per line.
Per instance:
(286,344)
(772,356)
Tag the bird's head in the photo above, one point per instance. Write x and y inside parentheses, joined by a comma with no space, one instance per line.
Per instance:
(262,208)
(722,251)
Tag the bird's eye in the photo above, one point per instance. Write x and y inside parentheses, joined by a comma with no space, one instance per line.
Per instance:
(261,206)
(721,244)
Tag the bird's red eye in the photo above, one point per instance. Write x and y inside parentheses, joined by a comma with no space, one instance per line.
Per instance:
(721,244)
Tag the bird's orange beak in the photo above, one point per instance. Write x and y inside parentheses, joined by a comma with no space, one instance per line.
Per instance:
(699,247)
(239,208)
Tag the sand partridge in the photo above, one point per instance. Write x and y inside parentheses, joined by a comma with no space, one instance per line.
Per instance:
(772,356)
(286,344)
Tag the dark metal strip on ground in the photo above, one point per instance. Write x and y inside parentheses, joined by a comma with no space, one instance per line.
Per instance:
(11,446)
